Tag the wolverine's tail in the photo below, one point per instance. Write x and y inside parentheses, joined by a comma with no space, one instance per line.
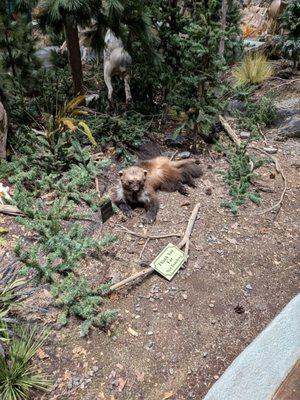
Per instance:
(188,166)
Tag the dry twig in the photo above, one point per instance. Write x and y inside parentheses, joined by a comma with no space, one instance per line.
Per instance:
(10,210)
(185,241)
(148,236)
(174,155)
(231,133)
(279,170)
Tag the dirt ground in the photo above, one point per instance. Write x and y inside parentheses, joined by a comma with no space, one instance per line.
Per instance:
(173,340)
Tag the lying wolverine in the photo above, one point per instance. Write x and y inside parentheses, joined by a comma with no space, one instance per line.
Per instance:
(138,184)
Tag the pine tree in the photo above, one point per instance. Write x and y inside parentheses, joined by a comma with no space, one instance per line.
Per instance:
(18,47)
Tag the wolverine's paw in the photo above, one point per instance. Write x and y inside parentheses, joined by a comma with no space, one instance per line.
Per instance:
(183,190)
(129,213)
(148,219)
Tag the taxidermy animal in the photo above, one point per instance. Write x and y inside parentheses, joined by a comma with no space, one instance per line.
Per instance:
(138,184)
(116,62)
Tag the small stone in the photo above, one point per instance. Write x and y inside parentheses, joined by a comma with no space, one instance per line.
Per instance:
(155,309)
(211,305)
(270,150)
(70,385)
(183,155)
(213,322)
(205,354)
(180,317)
(249,287)
(208,191)
(170,315)
(216,377)
(184,295)
(244,135)
(95,368)
(171,371)
(150,333)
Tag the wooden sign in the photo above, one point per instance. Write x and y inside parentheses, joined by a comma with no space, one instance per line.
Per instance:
(169,261)
(106,210)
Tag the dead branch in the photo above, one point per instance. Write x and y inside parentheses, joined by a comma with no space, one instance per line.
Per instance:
(184,242)
(10,210)
(279,170)
(285,83)
(97,188)
(143,249)
(231,133)
(148,236)
(174,155)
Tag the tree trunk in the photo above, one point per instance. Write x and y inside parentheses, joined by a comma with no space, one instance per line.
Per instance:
(72,39)
(3,131)
(223,26)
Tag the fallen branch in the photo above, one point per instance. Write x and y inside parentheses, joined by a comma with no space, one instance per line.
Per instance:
(231,133)
(184,242)
(279,170)
(10,210)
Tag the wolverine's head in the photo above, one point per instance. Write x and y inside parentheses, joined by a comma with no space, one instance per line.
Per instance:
(133,178)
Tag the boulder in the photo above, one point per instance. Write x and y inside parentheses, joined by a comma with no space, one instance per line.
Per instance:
(290,129)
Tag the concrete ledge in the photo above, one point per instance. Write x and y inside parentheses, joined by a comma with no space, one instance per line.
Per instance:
(260,369)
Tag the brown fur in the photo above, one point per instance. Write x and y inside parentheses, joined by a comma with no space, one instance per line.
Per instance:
(138,184)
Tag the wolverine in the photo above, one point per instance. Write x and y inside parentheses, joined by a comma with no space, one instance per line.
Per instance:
(138,184)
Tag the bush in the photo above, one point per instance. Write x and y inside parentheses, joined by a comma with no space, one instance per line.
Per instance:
(289,42)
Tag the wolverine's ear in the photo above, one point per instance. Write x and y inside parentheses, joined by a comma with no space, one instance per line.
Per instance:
(120,174)
(145,172)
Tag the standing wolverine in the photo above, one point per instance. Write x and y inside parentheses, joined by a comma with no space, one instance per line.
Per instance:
(138,184)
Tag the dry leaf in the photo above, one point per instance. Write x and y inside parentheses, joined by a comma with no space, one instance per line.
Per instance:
(41,354)
(121,384)
(67,375)
(140,376)
(132,332)
(232,241)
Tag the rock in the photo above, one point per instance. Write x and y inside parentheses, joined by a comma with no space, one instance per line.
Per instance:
(236,105)
(180,317)
(249,287)
(95,368)
(184,295)
(183,155)
(270,150)
(205,354)
(171,371)
(291,128)
(216,377)
(211,305)
(175,141)
(150,333)
(245,135)
(286,109)
(208,191)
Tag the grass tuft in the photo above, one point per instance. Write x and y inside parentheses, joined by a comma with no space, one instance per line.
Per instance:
(255,68)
